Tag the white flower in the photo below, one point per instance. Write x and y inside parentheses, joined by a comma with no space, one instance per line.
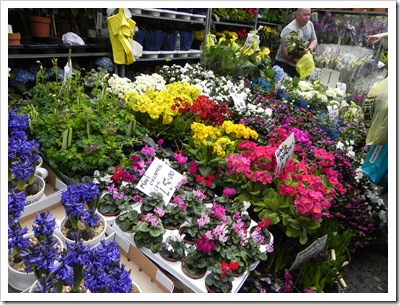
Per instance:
(339,145)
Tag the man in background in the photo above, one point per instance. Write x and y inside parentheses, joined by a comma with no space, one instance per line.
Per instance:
(305,27)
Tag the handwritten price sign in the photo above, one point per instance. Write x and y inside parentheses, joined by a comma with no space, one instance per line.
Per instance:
(284,153)
(159,178)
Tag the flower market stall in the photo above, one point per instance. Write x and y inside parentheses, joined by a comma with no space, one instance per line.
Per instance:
(219,176)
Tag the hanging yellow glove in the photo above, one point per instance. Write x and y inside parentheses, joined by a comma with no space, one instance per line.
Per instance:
(121,31)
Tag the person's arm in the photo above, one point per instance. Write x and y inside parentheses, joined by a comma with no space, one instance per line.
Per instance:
(312,45)
(376,38)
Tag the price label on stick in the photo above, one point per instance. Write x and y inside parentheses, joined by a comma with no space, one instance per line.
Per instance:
(310,251)
(284,153)
(159,178)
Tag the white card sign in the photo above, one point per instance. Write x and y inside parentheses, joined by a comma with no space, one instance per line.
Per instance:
(329,77)
(333,112)
(238,101)
(310,251)
(284,153)
(159,178)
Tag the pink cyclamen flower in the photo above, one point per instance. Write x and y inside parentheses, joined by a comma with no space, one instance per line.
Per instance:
(180,159)
(159,212)
(147,150)
(229,192)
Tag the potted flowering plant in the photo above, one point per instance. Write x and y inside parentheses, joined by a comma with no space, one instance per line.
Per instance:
(149,232)
(150,203)
(175,213)
(261,232)
(23,156)
(173,247)
(18,241)
(82,220)
(220,279)
(80,132)
(128,220)
(199,257)
(82,268)
(209,145)
(156,108)
(296,45)
(45,247)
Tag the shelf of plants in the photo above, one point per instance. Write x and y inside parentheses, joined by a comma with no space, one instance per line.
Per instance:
(248,177)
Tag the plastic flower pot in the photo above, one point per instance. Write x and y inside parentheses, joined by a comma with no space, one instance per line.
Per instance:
(186,40)
(140,37)
(153,41)
(169,41)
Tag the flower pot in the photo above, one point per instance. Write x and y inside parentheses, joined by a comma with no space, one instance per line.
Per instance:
(22,280)
(40,26)
(169,259)
(193,274)
(169,41)
(14,39)
(100,235)
(186,239)
(136,288)
(66,289)
(140,37)
(210,289)
(35,198)
(186,40)
(153,41)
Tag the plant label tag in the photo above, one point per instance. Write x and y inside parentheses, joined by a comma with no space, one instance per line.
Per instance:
(310,251)
(341,86)
(329,77)
(238,101)
(159,178)
(333,112)
(284,153)
(99,20)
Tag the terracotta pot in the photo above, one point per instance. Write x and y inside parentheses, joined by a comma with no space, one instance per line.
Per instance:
(14,39)
(188,241)
(169,259)
(40,26)
(191,274)
(210,289)
(379,9)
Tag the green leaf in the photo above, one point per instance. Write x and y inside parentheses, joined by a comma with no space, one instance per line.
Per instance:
(313,225)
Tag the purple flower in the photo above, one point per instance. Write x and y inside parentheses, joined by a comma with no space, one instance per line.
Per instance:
(228,192)
(180,159)
(89,191)
(44,225)
(16,205)
(16,237)
(91,218)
